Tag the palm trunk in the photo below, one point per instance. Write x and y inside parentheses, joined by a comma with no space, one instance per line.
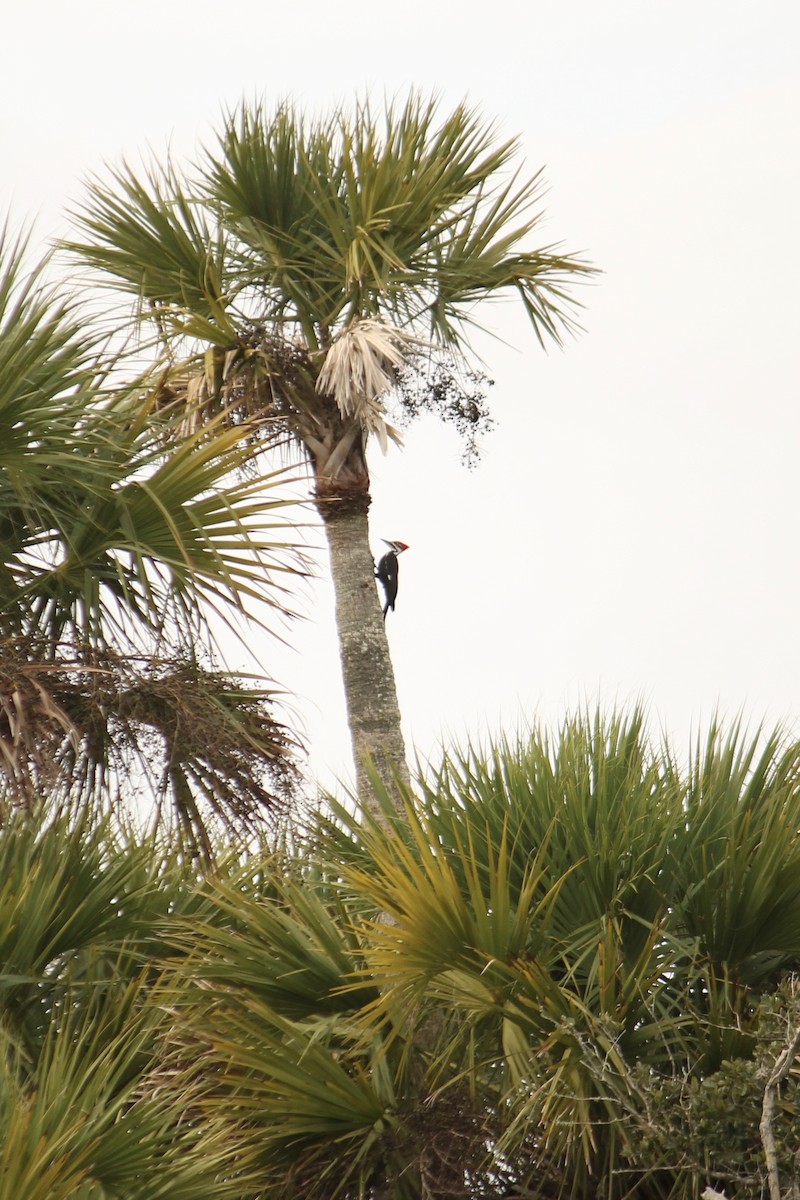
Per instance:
(373,711)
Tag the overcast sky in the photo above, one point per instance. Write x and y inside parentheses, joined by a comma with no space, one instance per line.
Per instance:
(632,531)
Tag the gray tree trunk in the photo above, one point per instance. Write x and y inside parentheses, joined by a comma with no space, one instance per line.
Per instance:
(369,685)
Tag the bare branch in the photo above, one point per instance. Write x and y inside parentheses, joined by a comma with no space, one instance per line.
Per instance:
(780,1071)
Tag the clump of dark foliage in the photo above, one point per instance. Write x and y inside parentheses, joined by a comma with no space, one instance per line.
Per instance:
(452,391)
(708,1127)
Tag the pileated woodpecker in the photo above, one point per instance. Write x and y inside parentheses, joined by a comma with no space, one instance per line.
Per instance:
(386,573)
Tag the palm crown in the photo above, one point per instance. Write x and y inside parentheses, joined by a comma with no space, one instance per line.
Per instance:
(346,246)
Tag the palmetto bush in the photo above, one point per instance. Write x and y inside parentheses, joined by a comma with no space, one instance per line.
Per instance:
(87,1109)
(547,977)
(486,995)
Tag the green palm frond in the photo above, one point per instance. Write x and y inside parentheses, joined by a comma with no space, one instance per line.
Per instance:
(46,362)
(604,804)
(311,1090)
(260,185)
(292,945)
(448,910)
(741,867)
(100,522)
(124,528)
(91,1104)
(45,351)
(155,240)
(88,1121)
(77,905)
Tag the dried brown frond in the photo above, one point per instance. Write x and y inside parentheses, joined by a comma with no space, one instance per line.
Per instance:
(262,381)
(453,1141)
(446,1147)
(200,744)
(34,727)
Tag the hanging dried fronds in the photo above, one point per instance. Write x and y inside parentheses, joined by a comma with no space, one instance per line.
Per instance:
(360,368)
(258,383)
(93,725)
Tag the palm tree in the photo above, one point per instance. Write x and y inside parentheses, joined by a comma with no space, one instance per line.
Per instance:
(116,544)
(318,269)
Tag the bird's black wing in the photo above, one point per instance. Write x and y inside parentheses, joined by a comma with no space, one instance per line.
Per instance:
(386,572)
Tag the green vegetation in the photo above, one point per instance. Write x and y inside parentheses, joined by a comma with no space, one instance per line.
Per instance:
(118,540)
(566,970)
(563,967)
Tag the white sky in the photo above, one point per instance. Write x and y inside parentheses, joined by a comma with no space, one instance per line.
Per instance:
(632,531)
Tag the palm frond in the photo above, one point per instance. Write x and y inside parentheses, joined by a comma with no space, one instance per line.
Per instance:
(131,531)
(87,1121)
(739,869)
(155,241)
(46,361)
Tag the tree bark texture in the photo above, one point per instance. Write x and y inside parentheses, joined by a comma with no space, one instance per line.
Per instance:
(369,684)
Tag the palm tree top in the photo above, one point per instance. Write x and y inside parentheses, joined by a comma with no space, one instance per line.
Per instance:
(404,216)
(324,259)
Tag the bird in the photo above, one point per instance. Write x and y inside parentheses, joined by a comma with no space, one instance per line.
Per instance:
(386,573)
